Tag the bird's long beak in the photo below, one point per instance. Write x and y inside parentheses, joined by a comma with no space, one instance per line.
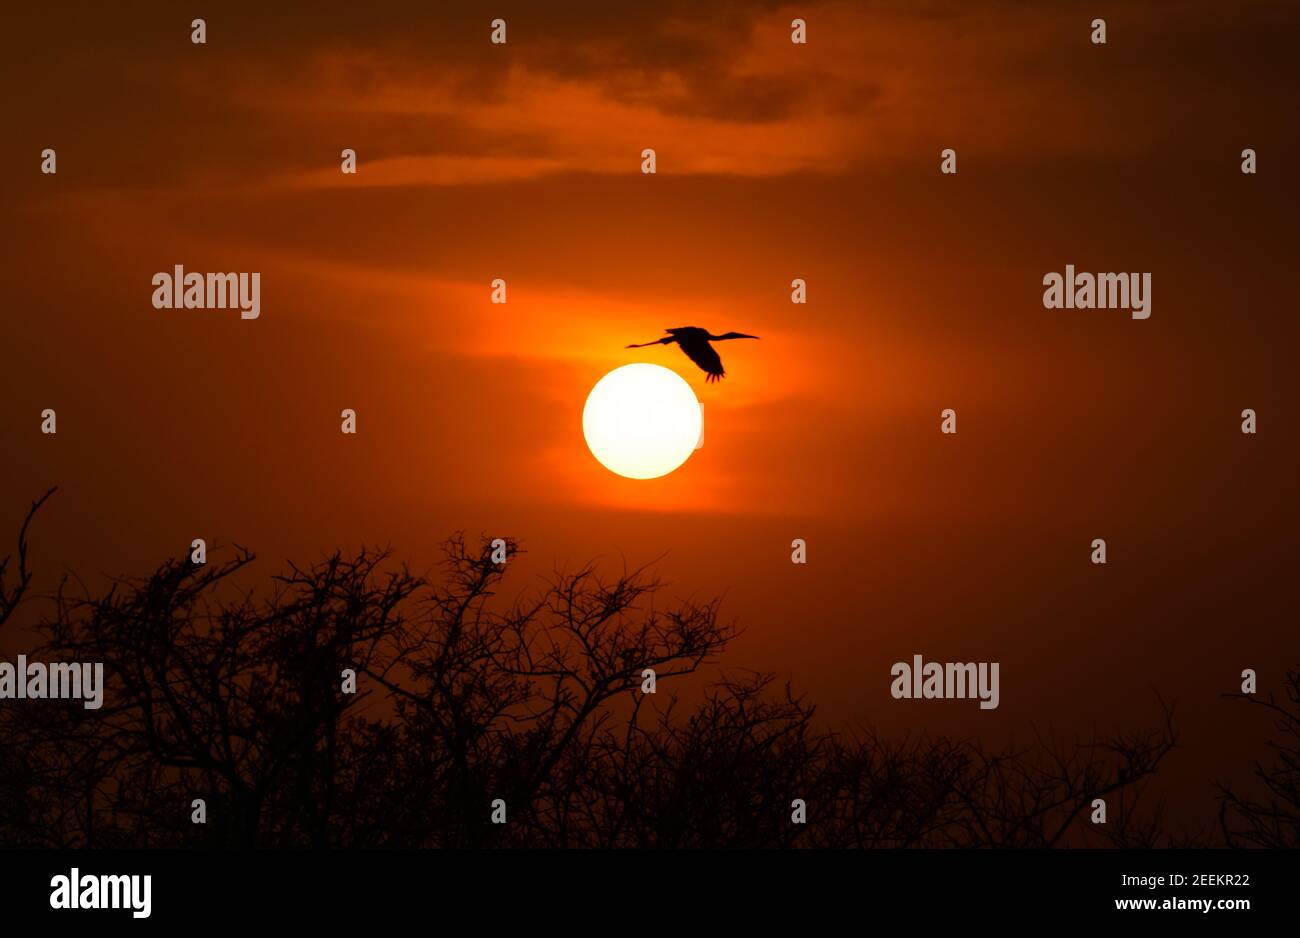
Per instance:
(743,336)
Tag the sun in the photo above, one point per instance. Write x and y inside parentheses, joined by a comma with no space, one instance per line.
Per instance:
(642,421)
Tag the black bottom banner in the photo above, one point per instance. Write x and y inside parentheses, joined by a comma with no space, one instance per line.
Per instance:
(331,889)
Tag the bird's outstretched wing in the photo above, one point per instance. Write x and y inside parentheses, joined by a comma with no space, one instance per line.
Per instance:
(698,350)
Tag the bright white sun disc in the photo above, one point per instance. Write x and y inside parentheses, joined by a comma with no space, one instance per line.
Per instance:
(642,421)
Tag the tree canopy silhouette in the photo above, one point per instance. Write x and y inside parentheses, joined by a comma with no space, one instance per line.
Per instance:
(1273,818)
(221,692)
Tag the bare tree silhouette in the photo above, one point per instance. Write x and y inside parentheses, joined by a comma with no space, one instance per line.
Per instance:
(217,692)
(1275,820)
(11,596)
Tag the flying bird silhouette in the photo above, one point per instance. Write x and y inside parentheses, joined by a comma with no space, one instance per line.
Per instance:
(694,341)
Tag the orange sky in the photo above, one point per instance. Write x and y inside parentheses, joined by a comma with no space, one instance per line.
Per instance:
(775,161)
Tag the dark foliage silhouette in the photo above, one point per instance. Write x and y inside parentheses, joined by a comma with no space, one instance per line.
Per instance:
(12,595)
(1273,819)
(235,696)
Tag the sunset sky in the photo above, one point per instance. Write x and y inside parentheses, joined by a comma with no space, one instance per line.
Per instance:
(775,161)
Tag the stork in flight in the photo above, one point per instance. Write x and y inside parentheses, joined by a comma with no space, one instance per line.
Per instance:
(694,341)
